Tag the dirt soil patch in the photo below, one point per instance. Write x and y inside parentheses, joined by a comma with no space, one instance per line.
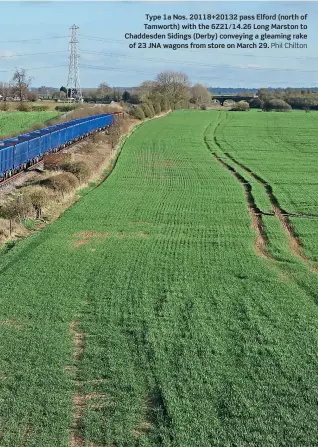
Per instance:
(86,236)
(11,323)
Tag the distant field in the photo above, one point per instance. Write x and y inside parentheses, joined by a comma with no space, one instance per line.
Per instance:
(50,104)
(11,122)
(162,309)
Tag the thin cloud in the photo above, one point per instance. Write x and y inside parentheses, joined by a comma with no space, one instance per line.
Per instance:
(246,66)
(6,53)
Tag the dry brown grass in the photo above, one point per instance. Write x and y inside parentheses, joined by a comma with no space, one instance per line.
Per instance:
(4,228)
(87,110)
(38,195)
(81,169)
(52,161)
(62,182)
(13,105)
(16,207)
(97,138)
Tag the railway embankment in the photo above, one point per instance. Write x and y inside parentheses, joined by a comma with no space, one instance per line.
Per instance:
(29,203)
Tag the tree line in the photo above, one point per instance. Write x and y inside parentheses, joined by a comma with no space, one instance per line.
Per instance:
(169,86)
(169,90)
(282,100)
(285,99)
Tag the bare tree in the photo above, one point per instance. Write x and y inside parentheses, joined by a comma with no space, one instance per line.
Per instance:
(175,85)
(42,90)
(200,94)
(93,94)
(45,91)
(5,92)
(59,95)
(21,84)
(116,94)
(146,89)
(103,90)
(32,96)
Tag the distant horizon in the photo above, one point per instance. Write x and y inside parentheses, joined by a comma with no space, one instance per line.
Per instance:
(209,88)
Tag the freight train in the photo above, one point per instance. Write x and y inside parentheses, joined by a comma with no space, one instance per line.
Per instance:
(23,151)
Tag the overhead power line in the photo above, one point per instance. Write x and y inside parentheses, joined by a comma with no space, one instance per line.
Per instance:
(33,54)
(33,39)
(192,63)
(36,68)
(93,67)
(136,57)
(118,55)
(229,53)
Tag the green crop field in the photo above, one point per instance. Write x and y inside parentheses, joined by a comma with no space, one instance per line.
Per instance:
(13,122)
(163,308)
(282,149)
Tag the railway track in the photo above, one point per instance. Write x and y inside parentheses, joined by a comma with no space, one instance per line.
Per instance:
(11,180)
(19,174)
(84,128)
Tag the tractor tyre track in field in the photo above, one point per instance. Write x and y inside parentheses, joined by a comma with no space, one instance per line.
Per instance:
(261,242)
(295,243)
(269,189)
(77,439)
(81,400)
(26,436)
(189,334)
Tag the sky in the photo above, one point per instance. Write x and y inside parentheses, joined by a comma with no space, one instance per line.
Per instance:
(42,29)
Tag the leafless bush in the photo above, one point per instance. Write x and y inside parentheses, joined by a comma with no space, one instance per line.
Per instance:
(15,208)
(80,169)
(5,228)
(52,161)
(95,160)
(39,197)
(87,148)
(62,183)
(37,127)
(4,106)
(71,178)
(96,138)
(23,107)
(114,133)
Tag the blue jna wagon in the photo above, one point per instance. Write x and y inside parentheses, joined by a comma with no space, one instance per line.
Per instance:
(6,159)
(20,152)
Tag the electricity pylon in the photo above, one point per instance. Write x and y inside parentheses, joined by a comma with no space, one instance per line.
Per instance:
(74,93)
